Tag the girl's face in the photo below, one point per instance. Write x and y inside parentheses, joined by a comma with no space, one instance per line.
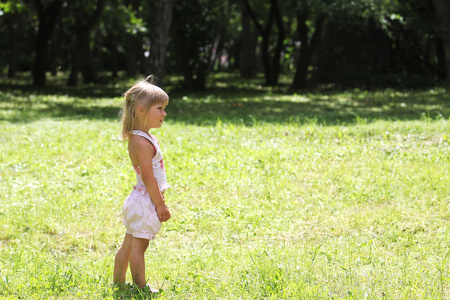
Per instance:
(155,116)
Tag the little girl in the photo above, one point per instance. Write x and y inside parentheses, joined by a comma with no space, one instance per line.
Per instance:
(144,209)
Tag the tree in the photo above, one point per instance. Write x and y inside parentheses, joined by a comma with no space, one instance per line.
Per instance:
(271,62)
(194,32)
(48,17)
(159,39)
(249,38)
(308,40)
(442,8)
(280,41)
(86,16)
(12,13)
(135,28)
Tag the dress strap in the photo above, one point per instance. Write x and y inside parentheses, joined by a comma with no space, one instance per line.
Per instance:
(148,137)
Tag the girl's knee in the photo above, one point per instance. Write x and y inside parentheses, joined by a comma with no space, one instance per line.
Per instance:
(127,243)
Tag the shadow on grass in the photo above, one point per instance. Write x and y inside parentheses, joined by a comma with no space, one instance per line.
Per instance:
(242,104)
(87,91)
(249,106)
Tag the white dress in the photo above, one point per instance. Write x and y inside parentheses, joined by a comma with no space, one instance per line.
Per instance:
(139,213)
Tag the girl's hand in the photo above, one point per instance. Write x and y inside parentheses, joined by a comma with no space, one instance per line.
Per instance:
(163,213)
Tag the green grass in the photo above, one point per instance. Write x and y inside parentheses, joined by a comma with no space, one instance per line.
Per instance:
(321,195)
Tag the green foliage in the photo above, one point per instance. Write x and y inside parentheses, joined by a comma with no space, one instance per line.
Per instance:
(379,39)
(275,196)
(12,6)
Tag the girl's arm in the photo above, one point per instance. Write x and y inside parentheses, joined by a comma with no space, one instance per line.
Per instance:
(144,152)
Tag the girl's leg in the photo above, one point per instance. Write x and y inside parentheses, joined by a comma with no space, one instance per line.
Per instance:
(122,259)
(137,261)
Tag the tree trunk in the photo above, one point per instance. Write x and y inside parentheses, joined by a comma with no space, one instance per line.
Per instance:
(13,33)
(80,39)
(47,20)
(270,77)
(159,40)
(265,52)
(303,59)
(442,8)
(247,61)
(54,51)
(216,55)
(88,64)
(440,55)
(114,54)
(81,57)
(307,47)
(280,41)
(131,48)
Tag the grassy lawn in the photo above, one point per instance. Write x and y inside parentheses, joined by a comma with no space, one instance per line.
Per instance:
(315,195)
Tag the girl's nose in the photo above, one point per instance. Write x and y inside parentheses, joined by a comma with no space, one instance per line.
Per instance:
(164,113)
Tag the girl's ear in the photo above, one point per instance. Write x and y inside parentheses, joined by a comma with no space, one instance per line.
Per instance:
(140,109)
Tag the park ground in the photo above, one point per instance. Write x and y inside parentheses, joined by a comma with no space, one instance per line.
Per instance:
(321,194)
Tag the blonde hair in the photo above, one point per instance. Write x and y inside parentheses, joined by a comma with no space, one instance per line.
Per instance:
(143,94)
